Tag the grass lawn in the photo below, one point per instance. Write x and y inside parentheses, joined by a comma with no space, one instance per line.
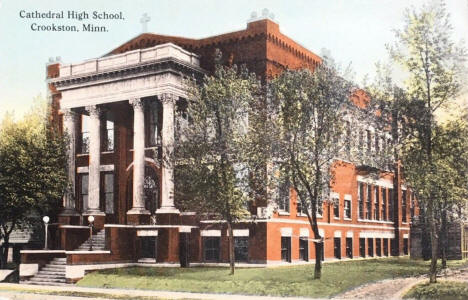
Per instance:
(281,281)
(446,290)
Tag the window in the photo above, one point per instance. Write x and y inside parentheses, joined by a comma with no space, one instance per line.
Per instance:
(390,204)
(369,202)
(108,142)
(241,248)
(286,248)
(347,209)
(405,246)
(361,139)
(362,247)
(370,247)
(377,146)
(153,138)
(301,209)
(369,141)
(378,247)
(283,195)
(320,207)
(384,205)
(376,203)
(304,248)
(348,137)
(109,192)
(349,247)
(337,247)
(385,247)
(403,206)
(412,205)
(84,134)
(336,208)
(361,199)
(84,180)
(211,248)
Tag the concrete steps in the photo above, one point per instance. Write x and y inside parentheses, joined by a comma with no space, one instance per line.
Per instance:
(52,273)
(98,242)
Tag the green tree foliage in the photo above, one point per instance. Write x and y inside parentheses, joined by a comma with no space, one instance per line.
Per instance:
(434,65)
(212,152)
(32,172)
(311,107)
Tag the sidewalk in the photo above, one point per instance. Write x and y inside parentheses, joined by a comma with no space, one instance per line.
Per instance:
(24,288)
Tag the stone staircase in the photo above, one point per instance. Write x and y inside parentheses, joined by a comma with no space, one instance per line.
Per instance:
(98,242)
(53,273)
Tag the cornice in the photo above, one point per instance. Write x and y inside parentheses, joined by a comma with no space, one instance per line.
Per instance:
(171,65)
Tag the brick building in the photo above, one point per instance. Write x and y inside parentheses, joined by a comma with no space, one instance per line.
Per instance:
(121,112)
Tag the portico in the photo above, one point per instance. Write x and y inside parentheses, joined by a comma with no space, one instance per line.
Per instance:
(147,84)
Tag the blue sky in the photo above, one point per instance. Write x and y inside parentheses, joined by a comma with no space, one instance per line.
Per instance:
(355,31)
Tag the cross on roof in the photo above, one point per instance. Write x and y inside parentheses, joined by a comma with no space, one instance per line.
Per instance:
(144,22)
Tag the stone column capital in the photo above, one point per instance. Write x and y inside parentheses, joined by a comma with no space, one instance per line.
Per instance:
(136,103)
(69,114)
(168,98)
(94,111)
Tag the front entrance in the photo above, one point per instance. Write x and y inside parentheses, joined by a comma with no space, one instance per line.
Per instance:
(148,247)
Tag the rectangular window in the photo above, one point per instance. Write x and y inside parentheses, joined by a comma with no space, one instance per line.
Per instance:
(349,247)
(153,138)
(348,137)
(241,248)
(390,204)
(286,248)
(362,247)
(403,206)
(347,209)
(369,202)
(369,141)
(361,199)
(108,136)
(370,247)
(385,247)
(283,195)
(84,181)
(319,207)
(301,209)
(109,192)
(377,145)
(405,246)
(84,134)
(384,204)
(378,247)
(211,248)
(376,203)
(337,247)
(304,249)
(336,208)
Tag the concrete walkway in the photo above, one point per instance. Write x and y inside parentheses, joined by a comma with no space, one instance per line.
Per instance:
(7,289)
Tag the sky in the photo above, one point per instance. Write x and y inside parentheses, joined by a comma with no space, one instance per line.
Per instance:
(354,31)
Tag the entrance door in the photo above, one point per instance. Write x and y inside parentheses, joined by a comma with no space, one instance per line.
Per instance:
(184,252)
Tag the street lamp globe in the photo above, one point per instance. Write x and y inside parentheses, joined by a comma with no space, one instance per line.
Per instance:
(90,219)
(45,219)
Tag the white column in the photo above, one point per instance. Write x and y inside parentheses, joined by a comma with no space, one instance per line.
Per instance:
(167,189)
(94,160)
(70,119)
(138,158)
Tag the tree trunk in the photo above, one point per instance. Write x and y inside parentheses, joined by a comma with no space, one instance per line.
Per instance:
(318,245)
(434,245)
(4,253)
(231,248)
(444,239)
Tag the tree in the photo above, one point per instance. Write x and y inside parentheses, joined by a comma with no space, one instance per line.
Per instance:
(32,172)
(212,172)
(434,65)
(309,123)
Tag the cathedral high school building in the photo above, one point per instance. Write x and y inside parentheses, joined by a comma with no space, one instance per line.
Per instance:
(122,111)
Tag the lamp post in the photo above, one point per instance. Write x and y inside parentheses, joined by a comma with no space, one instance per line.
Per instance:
(46,224)
(90,224)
